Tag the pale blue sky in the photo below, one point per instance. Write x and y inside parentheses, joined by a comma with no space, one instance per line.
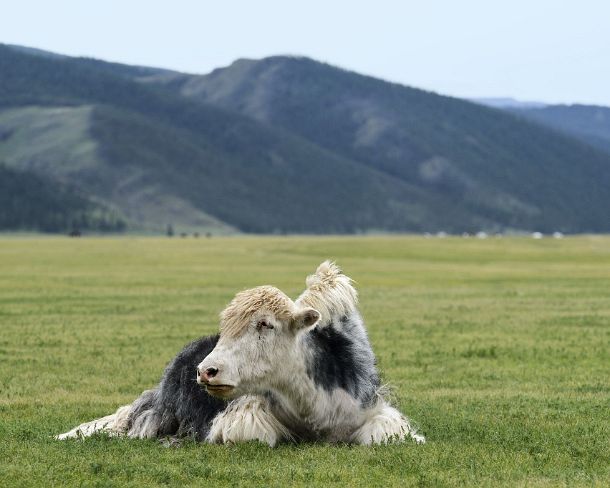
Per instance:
(552,51)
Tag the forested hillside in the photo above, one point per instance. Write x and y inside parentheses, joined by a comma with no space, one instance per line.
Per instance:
(29,202)
(501,167)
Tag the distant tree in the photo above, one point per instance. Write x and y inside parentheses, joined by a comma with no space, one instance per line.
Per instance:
(76,226)
(170,230)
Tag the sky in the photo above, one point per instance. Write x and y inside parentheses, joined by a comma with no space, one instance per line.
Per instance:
(536,50)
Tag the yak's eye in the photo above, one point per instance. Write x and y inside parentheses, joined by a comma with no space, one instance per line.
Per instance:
(263,324)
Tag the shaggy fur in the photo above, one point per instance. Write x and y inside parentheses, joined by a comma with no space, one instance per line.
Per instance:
(177,407)
(330,292)
(235,318)
(341,357)
(308,375)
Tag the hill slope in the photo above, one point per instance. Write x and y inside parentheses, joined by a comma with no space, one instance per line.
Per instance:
(481,160)
(30,202)
(588,123)
(65,144)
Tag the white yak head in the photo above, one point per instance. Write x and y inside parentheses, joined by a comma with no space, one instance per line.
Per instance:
(258,334)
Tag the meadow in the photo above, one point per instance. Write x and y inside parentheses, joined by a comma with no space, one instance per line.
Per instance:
(498,349)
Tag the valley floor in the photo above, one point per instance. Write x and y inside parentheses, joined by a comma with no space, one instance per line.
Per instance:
(499,349)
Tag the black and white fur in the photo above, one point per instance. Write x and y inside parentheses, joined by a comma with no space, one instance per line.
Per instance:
(311,377)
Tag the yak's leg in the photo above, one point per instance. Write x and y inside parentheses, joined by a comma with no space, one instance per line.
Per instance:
(245,419)
(112,424)
(144,420)
(386,424)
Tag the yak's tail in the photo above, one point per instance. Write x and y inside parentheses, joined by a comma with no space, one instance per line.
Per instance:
(114,424)
(138,419)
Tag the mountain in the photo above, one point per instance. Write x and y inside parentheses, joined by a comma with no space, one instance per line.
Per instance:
(288,144)
(495,169)
(588,123)
(507,103)
(157,157)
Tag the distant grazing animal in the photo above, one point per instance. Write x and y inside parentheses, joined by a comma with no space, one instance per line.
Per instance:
(278,371)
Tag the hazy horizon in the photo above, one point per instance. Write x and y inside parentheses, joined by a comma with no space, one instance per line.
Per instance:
(472,49)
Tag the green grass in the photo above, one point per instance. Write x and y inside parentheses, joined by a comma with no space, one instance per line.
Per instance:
(499,349)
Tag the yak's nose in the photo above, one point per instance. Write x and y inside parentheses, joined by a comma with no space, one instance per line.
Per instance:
(206,375)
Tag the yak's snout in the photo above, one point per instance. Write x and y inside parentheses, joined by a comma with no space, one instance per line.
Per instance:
(210,376)
(205,375)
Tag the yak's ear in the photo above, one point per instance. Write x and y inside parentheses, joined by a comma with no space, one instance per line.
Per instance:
(306,317)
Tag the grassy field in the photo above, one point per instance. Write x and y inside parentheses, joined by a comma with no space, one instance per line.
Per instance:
(499,349)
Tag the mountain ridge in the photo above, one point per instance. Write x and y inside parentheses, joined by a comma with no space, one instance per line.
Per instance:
(587,123)
(288,144)
(229,148)
(244,85)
